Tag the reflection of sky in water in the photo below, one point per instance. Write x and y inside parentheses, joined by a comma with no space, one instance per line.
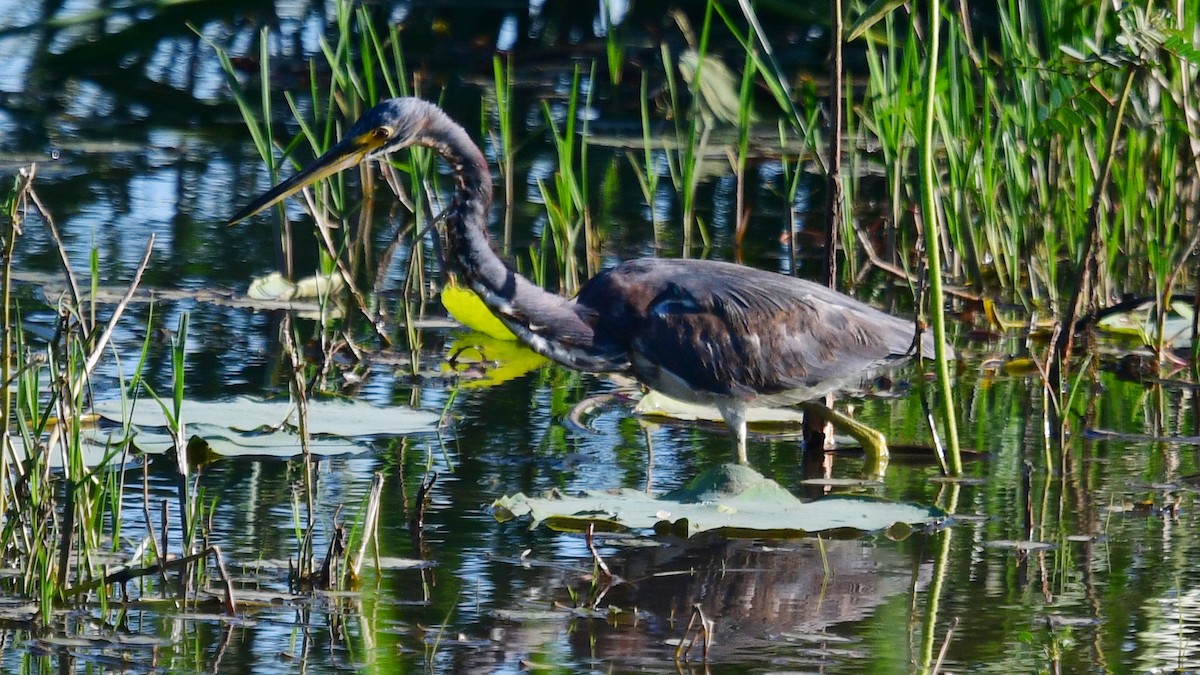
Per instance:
(506,37)
(14,64)
(16,51)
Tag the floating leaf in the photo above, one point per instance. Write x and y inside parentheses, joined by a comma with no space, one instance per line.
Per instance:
(656,403)
(279,444)
(465,306)
(732,500)
(319,286)
(96,447)
(336,417)
(275,287)
(271,287)
(1141,323)
(718,86)
(1020,545)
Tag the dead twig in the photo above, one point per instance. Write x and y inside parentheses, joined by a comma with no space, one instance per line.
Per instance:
(369,530)
(937,665)
(600,564)
(416,524)
(27,189)
(704,632)
(125,575)
(900,273)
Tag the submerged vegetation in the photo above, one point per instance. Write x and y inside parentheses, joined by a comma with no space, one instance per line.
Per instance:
(1027,174)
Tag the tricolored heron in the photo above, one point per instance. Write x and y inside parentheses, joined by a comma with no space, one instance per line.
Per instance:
(700,331)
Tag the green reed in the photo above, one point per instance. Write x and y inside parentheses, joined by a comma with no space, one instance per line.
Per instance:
(566,199)
(645,169)
(887,113)
(502,139)
(693,126)
(930,197)
(62,482)
(1062,156)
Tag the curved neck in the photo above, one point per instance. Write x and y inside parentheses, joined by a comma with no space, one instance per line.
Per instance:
(549,324)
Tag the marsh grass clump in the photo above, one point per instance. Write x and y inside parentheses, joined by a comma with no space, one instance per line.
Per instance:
(62,476)
(1064,175)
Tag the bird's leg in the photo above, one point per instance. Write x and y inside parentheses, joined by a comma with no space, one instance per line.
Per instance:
(735,419)
(874,443)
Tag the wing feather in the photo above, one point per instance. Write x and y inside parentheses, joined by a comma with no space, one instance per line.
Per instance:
(735,331)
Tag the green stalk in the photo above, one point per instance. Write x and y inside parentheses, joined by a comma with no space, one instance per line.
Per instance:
(502,73)
(933,247)
(9,334)
(1062,343)
(934,593)
(833,178)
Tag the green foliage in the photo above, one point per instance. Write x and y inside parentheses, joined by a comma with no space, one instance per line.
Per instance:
(1024,131)
(566,200)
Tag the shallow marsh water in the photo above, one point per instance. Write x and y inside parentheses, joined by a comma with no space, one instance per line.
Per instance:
(1094,568)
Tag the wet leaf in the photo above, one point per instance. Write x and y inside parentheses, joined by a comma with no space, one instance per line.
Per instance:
(96,447)
(1020,545)
(1141,323)
(1021,366)
(283,445)
(347,418)
(530,615)
(319,286)
(718,86)
(219,441)
(275,286)
(655,403)
(465,306)
(1004,324)
(18,611)
(732,500)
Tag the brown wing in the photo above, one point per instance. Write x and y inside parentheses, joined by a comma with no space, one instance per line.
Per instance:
(736,331)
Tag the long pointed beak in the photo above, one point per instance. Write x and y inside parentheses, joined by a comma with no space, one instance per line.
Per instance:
(349,152)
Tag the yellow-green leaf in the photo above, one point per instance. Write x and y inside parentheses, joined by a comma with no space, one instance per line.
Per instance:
(469,310)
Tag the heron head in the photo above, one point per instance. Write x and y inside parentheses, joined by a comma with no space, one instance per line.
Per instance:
(391,125)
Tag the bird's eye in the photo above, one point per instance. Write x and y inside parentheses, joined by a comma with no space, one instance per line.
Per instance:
(382,132)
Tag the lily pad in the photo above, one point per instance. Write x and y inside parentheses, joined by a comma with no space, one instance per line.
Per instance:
(658,404)
(351,419)
(731,500)
(275,286)
(96,447)
(225,442)
(1140,322)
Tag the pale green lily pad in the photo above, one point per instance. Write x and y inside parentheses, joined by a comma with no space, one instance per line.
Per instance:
(732,500)
(1141,323)
(338,418)
(103,446)
(656,403)
(96,447)
(225,442)
(275,286)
